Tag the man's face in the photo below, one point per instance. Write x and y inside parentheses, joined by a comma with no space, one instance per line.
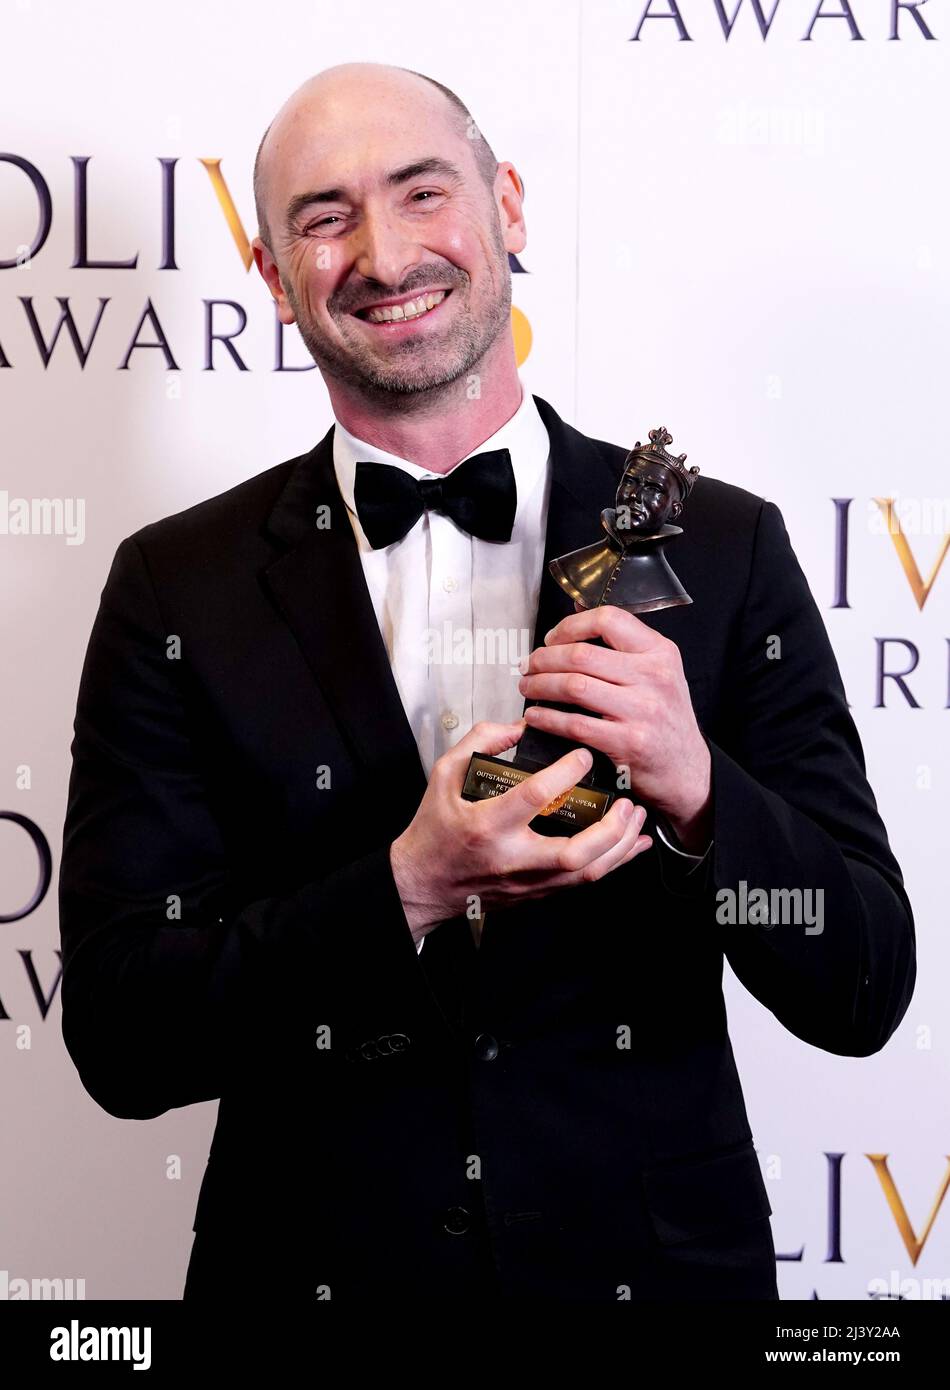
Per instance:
(650,496)
(391,256)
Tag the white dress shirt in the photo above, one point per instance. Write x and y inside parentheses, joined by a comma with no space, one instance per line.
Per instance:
(456,613)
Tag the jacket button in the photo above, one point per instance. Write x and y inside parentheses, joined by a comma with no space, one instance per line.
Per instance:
(486,1047)
(398,1042)
(457,1221)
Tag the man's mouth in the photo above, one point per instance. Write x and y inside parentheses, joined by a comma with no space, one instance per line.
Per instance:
(415,308)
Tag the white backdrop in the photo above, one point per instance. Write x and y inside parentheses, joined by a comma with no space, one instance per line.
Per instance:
(745,240)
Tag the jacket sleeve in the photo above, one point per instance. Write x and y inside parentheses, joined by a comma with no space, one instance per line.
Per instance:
(167,981)
(792,809)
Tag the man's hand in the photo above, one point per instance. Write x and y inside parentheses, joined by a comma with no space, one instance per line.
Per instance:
(637,684)
(455,850)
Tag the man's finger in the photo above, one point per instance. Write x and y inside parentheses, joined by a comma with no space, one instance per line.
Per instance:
(522,803)
(606,735)
(614,834)
(573,688)
(618,628)
(484,737)
(643,842)
(621,854)
(603,663)
(615,858)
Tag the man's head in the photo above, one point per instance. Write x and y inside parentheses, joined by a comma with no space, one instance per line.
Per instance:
(655,486)
(650,495)
(385,225)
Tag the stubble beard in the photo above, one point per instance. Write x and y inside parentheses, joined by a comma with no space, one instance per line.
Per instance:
(417,372)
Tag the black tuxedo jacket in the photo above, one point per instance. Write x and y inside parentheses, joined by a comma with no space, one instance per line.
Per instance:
(556,1114)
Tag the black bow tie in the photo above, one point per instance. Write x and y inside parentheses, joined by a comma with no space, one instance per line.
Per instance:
(479,495)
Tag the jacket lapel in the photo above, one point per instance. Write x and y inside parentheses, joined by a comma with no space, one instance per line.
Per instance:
(583,481)
(318,585)
(584,477)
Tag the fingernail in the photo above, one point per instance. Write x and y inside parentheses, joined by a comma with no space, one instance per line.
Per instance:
(586,756)
(626,810)
(549,635)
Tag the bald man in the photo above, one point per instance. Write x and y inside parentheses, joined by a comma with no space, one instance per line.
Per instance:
(455,1059)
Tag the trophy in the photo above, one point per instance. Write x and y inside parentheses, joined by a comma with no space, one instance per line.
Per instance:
(628,569)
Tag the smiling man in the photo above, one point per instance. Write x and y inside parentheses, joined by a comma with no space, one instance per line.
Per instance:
(395,270)
(455,1059)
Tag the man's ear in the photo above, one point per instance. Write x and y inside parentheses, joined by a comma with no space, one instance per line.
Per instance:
(676,510)
(271,275)
(509,194)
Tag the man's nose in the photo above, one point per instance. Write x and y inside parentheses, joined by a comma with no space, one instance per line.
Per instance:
(383,251)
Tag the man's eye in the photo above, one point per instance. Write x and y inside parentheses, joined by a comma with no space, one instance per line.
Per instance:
(428,193)
(322,223)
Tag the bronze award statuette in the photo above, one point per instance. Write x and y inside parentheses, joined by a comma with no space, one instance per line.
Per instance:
(628,569)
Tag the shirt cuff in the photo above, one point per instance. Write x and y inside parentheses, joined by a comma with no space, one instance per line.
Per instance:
(692,859)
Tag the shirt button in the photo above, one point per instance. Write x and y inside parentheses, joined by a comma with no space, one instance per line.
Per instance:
(457,1221)
(450,721)
(450,584)
(486,1047)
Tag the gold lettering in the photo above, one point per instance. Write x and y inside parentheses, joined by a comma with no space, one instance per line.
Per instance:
(235,225)
(919,588)
(912,1245)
